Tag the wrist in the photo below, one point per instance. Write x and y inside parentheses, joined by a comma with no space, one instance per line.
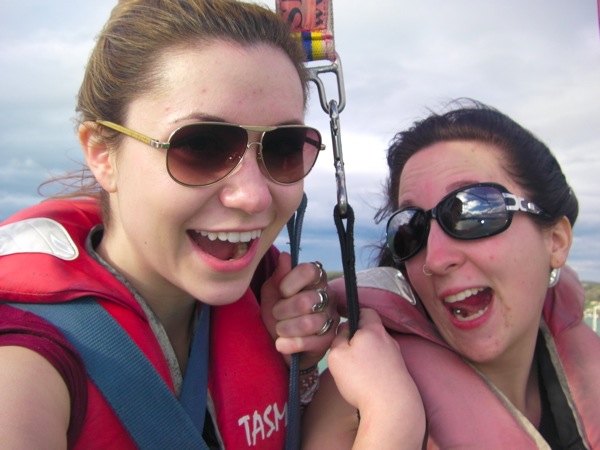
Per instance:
(309,384)
(309,370)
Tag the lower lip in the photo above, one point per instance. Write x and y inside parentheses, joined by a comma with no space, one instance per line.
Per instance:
(233,265)
(471,324)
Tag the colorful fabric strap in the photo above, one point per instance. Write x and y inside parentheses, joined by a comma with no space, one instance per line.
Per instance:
(311,22)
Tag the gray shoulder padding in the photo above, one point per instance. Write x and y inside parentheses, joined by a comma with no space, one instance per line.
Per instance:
(386,278)
(38,235)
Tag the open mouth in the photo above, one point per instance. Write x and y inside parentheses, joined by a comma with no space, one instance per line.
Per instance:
(224,245)
(469,304)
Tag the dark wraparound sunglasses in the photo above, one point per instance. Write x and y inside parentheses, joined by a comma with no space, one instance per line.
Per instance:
(471,212)
(204,153)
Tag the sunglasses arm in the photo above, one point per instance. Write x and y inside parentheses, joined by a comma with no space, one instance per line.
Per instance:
(516,203)
(134,134)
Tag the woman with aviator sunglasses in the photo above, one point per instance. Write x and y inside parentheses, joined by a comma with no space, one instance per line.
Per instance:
(473,288)
(191,121)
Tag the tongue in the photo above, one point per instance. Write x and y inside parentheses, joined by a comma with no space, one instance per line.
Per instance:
(472,304)
(219,249)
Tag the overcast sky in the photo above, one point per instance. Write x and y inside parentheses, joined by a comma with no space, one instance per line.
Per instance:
(536,60)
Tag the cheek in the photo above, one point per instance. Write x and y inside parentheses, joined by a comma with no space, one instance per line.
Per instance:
(287,199)
(140,163)
(419,282)
(412,266)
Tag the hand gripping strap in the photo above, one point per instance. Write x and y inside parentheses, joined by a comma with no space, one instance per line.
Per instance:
(139,396)
(311,22)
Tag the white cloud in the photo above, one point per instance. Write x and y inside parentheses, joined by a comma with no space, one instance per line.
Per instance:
(538,61)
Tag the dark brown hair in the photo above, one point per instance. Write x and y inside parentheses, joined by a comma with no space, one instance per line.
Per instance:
(529,161)
(124,63)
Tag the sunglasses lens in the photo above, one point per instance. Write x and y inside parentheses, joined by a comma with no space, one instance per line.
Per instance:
(473,213)
(201,154)
(407,232)
(289,153)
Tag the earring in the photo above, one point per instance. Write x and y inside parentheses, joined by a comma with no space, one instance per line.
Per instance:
(554,276)
(426,272)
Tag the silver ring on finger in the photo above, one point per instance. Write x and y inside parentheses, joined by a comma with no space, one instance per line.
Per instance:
(323,301)
(319,267)
(326,326)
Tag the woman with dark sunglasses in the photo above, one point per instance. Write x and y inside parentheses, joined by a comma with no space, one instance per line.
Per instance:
(473,288)
(165,304)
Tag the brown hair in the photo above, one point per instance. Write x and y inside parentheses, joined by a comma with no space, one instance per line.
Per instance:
(528,160)
(123,64)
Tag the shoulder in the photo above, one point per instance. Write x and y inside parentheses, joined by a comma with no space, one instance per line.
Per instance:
(35,400)
(28,346)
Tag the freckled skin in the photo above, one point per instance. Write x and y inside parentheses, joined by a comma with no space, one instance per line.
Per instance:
(150,245)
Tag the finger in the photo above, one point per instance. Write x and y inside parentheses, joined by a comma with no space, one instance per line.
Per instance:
(306,302)
(320,273)
(368,317)
(300,304)
(316,324)
(323,301)
(326,325)
(315,345)
(270,291)
(342,333)
(302,277)
(369,322)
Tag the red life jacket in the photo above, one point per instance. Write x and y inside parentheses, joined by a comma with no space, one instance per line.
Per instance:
(463,409)
(247,376)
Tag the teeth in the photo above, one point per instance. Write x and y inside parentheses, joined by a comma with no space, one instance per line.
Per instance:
(464,315)
(231,236)
(462,295)
(241,250)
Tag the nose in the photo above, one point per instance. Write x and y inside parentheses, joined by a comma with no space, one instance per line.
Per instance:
(247,189)
(442,253)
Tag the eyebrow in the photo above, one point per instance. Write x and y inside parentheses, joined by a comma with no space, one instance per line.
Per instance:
(462,183)
(201,117)
(197,117)
(449,188)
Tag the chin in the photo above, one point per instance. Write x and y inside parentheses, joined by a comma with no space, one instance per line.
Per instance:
(224,292)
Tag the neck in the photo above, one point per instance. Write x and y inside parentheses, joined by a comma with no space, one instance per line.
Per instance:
(520,384)
(179,326)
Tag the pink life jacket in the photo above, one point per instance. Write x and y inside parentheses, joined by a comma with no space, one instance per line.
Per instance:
(247,376)
(463,409)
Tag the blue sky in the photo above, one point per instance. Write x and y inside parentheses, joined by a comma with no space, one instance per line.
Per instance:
(538,61)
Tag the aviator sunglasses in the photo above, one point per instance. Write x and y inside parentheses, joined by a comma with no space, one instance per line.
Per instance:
(204,153)
(471,212)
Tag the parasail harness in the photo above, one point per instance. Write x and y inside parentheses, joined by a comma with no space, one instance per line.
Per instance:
(311,22)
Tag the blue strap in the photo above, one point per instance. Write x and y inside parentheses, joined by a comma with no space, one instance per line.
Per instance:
(195,380)
(294,228)
(128,381)
(292,439)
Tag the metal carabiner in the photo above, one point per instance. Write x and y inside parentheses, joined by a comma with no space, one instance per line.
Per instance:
(336,68)
(334,108)
(338,158)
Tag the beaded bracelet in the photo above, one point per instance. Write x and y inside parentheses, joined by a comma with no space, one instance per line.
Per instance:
(309,370)
(309,384)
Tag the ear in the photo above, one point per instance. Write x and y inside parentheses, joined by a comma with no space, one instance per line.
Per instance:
(99,157)
(560,240)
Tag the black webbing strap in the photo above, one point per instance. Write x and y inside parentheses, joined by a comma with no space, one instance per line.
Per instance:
(346,236)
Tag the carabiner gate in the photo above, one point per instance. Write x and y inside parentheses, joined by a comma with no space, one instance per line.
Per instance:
(334,107)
